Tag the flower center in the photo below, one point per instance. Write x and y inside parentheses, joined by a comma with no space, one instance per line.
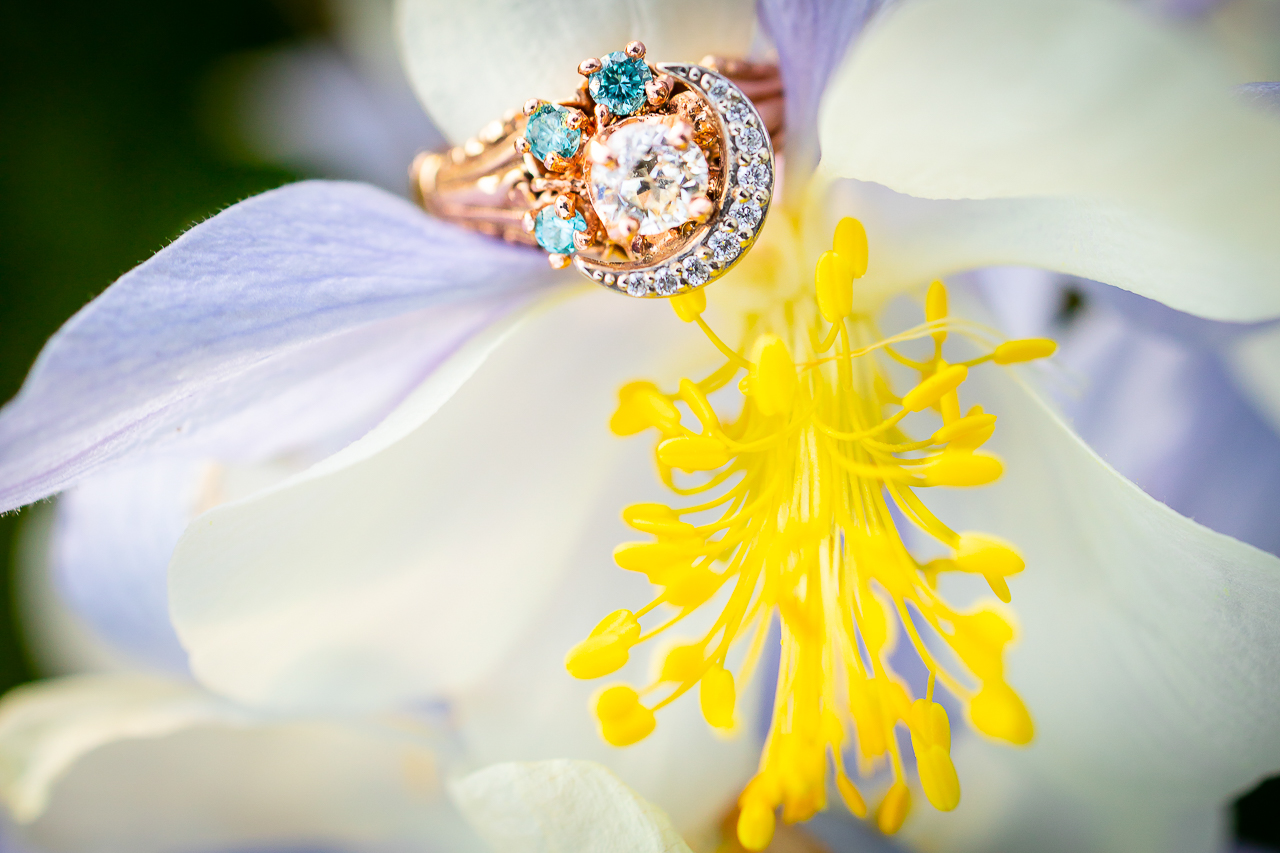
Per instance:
(649,179)
(792,516)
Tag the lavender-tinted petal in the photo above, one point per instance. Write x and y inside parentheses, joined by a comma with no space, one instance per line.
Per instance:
(117,528)
(812,37)
(1158,400)
(158,355)
(1263,95)
(111,544)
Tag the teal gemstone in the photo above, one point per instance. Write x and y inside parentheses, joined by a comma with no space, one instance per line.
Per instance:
(548,132)
(620,82)
(555,234)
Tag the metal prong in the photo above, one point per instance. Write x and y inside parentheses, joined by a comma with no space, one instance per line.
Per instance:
(657,91)
(635,50)
(589,66)
(576,119)
(603,116)
(558,261)
(527,222)
(701,208)
(555,163)
(531,105)
(522,145)
(565,207)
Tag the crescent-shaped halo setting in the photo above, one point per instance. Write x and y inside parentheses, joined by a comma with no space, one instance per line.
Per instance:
(703,249)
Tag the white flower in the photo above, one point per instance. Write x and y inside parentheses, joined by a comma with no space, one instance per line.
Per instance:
(453,552)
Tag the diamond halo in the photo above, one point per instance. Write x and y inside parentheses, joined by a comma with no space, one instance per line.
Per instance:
(709,249)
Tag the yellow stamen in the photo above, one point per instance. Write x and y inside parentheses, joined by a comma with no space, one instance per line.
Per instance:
(796,525)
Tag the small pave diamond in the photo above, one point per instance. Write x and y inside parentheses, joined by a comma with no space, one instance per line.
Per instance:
(755,176)
(718,89)
(746,214)
(636,285)
(724,247)
(620,82)
(750,140)
(555,234)
(737,110)
(696,272)
(665,282)
(653,182)
(548,132)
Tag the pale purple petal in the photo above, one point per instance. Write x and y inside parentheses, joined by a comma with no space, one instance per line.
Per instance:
(1263,95)
(1156,398)
(112,541)
(117,528)
(159,355)
(812,37)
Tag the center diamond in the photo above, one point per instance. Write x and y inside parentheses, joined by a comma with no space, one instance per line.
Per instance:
(648,179)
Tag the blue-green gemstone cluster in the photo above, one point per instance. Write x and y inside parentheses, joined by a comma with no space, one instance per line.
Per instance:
(620,82)
(555,234)
(548,132)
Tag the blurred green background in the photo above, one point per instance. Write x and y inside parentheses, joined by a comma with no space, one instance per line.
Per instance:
(103,160)
(106,156)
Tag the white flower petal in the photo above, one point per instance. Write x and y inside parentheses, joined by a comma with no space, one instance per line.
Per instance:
(913,240)
(470,63)
(1126,130)
(562,807)
(693,773)
(406,565)
(129,763)
(1147,649)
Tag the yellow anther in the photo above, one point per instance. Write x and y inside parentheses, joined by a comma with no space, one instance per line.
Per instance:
(852,797)
(698,404)
(717,696)
(640,406)
(935,307)
(850,243)
(931,390)
(651,558)
(979,639)
(756,823)
(938,777)
(606,649)
(935,302)
(963,469)
(683,663)
(1027,349)
(689,305)
(893,808)
(984,554)
(999,712)
(929,723)
(623,720)
(693,453)
(773,376)
(970,432)
(833,283)
(658,519)
(690,587)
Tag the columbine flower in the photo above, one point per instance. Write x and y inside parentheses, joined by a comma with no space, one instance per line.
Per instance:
(459,547)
